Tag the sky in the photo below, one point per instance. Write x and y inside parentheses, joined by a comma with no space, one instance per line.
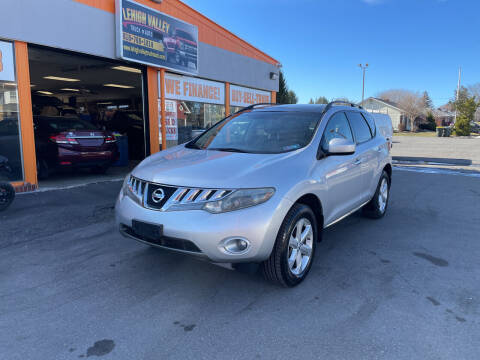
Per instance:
(409,44)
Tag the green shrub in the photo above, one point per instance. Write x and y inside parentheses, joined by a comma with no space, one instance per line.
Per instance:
(462,126)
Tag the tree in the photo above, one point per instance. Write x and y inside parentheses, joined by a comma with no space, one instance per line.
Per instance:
(412,103)
(292,97)
(475,91)
(319,100)
(466,106)
(284,95)
(427,102)
(431,124)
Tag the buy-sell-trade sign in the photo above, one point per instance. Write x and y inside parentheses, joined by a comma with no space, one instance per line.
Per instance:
(150,37)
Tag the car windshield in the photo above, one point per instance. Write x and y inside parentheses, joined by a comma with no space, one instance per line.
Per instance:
(259,132)
(184,35)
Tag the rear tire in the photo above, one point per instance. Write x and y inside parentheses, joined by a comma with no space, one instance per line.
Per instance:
(294,249)
(42,170)
(7,194)
(377,207)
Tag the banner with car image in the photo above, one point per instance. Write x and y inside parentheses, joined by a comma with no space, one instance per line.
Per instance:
(150,37)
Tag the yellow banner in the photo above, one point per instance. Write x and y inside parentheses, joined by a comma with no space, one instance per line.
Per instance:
(138,40)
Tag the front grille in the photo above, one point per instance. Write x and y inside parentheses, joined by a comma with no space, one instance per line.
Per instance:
(174,198)
(166,191)
(164,241)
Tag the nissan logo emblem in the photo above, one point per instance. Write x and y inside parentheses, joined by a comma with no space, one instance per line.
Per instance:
(158,195)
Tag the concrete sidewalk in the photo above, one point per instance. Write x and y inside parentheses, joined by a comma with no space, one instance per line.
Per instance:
(451,152)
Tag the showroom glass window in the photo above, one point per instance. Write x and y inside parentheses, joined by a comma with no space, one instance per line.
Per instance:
(10,146)
(191,118)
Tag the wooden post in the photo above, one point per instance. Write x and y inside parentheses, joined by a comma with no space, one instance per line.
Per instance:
(25,113)
(227,99)
(152,86)
(162,109)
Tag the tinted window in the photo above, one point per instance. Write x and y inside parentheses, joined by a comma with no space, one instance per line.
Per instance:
(337,127)
(371,122)
(359,126)
(260,132)
(61,124)
(184,35)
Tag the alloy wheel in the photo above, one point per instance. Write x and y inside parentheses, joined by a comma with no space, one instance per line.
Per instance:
(383,195)
(300,247)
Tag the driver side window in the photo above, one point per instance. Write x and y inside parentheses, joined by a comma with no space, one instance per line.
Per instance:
(337,127)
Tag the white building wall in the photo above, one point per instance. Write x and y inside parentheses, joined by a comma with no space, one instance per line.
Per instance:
(378,107)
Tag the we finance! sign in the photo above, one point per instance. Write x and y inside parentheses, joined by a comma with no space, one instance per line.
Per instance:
(179,87)
(150,37)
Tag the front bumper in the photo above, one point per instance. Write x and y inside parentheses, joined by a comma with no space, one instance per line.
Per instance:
(258,224)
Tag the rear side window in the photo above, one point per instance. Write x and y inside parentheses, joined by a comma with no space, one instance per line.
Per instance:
(337,127)
(359,126)
(371,122)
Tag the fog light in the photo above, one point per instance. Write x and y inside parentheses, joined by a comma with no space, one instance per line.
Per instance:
(235,245)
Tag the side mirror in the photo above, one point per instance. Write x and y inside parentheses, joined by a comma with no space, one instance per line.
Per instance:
(339,146)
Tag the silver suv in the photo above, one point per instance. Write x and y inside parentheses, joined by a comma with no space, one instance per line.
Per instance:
(260,185)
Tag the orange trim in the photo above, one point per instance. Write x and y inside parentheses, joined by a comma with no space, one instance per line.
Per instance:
(104,5)
(152,87)
(162,109)
(273,100)
(227,99)
(209,32)
(26,116)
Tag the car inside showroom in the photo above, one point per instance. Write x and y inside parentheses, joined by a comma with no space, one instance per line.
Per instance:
(87,114)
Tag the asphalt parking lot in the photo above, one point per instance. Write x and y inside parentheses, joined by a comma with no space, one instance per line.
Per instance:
(404,287)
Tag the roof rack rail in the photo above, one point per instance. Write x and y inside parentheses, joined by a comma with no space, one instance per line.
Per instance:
(250,107)
(338,102)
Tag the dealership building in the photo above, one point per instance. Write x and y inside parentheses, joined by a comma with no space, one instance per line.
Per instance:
(151,73)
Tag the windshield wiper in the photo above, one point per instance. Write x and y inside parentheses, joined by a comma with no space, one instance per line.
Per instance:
(193,146)
(229,149)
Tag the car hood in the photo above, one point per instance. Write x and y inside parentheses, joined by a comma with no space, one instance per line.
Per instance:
(181,166)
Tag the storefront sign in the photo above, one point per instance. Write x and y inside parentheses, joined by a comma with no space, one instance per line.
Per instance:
(7,66)
(150,37)
(242,96)
(192,89)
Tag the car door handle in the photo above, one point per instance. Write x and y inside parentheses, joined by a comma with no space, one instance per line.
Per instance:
(357,162)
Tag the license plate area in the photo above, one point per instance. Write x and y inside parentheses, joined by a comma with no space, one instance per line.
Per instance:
(149,232)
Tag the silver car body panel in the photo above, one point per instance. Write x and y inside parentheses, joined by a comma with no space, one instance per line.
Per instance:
(342,183)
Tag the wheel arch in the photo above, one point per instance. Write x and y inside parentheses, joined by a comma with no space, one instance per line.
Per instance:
(312,201)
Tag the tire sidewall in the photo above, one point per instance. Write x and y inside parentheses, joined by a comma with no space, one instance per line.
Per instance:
(10,191)
(284,238)
(376,205)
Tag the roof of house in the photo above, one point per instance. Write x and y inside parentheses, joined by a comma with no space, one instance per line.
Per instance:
(386,102)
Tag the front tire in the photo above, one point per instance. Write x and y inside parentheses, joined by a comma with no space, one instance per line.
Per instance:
(7,194)
(377,207)
(294,249)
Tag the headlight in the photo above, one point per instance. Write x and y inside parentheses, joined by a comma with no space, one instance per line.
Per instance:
(239,199)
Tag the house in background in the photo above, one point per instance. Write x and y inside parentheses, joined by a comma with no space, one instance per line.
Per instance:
(376,105)
(443,117)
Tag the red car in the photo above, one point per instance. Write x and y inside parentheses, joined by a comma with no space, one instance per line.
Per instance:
(181,48)
(69,142)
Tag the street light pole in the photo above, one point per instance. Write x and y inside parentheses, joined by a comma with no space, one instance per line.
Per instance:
(458,92)
(363,67)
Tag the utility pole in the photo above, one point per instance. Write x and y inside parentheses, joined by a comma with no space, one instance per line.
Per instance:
(363,67)
(458,92)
